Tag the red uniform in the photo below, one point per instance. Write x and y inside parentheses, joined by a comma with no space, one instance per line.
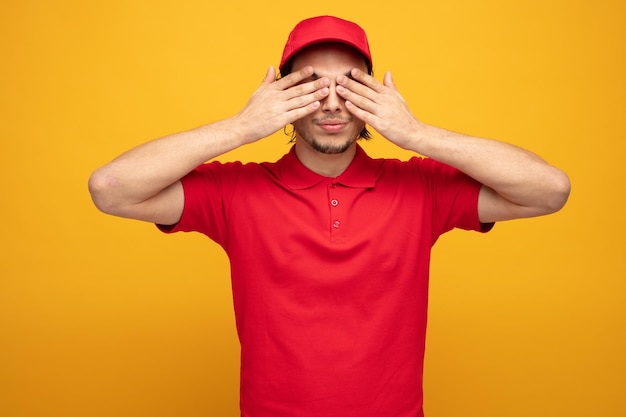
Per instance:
(330,276)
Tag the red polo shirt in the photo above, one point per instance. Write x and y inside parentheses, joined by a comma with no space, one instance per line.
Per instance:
(329,276)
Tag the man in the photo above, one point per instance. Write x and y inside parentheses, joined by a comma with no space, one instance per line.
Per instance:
(329,249)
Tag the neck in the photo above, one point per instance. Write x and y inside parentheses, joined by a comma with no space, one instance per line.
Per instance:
(327,165)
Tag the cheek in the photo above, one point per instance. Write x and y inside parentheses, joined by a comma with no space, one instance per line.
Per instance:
(297,125)
(359,126)
(300,125)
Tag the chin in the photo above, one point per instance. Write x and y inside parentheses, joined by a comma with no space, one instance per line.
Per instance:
(331,148)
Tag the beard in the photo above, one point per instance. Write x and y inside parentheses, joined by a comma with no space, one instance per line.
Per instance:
(330,148)
(330,145)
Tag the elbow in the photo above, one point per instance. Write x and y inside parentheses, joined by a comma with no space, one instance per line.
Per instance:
(559,191)
(101,188)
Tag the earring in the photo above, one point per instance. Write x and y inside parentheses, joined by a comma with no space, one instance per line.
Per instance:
(292,133)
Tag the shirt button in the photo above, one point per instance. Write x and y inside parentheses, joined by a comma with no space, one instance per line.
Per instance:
(336,224)
(334,203)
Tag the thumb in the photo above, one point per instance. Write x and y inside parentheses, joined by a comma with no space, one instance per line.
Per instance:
(270,76)
(388,80)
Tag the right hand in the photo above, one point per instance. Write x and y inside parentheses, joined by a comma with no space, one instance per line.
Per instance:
(276,103)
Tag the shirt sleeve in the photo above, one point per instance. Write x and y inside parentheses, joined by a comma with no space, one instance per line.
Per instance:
(454,197)
(206,189)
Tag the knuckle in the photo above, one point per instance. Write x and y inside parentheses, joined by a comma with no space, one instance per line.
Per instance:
(299,89)
(300,101)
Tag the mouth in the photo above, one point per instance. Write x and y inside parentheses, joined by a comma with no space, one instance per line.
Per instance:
(332,125)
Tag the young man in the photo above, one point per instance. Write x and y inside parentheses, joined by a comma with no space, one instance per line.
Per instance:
(329,248)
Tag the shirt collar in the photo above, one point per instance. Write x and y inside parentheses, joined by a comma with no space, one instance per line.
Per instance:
(361,173)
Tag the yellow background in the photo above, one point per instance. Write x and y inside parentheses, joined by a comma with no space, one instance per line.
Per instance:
(101,316)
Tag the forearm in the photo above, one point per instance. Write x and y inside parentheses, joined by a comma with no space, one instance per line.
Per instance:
(146,170)
(515,174)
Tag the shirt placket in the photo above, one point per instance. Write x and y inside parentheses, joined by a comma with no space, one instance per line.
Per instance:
(338,215)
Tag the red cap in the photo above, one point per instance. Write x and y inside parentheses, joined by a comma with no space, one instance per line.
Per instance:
(325,29)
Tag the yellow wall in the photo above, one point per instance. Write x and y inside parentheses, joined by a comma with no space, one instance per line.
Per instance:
(102,316)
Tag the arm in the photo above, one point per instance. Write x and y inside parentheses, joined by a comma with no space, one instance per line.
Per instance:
(144,183)
(516,182)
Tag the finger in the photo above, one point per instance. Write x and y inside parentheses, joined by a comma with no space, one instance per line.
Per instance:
(388,80)
(303,100)
(364,78)
(270,76)
(295,77)
(303,82)
(301,112)
(347,86)
(360,96)
(317,87)
(361,114)
(389,83)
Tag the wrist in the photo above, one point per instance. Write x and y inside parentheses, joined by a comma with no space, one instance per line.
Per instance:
(420,138)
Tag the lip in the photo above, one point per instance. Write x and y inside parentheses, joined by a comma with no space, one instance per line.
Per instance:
(332,126)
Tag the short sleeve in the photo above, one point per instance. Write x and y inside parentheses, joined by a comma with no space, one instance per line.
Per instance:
(454,197)
(205,189)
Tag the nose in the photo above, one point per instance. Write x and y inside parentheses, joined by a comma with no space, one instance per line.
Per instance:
(333,102)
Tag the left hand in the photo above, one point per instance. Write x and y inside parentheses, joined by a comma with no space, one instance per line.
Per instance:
(380,106)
